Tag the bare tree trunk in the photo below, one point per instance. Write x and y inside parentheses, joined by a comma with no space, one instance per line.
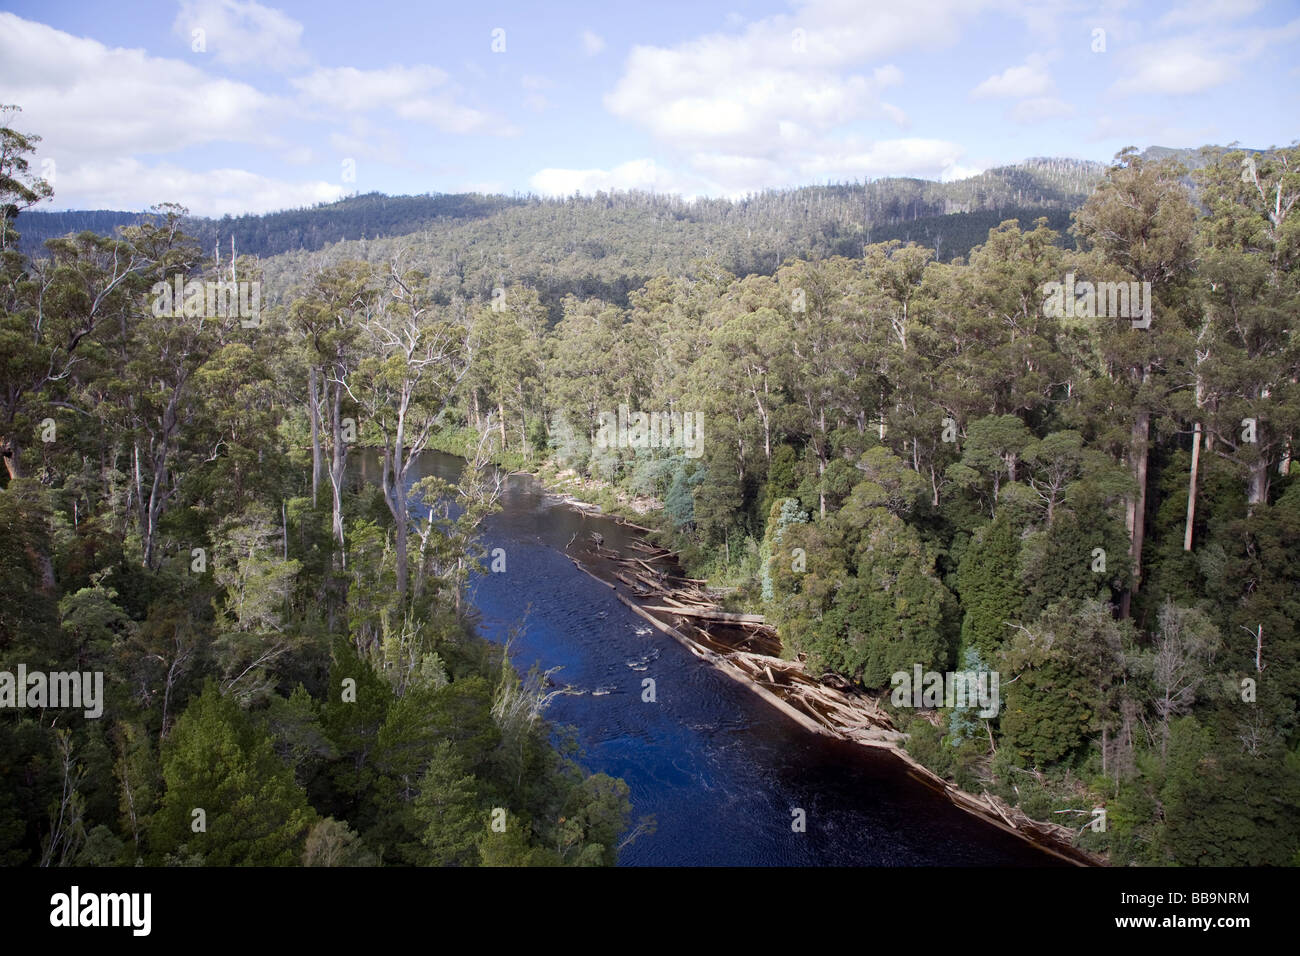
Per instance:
(1191,487)
(313,406)
(1136,511)
(336,468)
(1257,489)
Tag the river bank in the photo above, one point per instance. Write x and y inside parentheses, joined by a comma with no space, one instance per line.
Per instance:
(816,705)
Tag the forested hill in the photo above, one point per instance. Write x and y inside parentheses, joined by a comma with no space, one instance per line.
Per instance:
(812,221)
(364,216)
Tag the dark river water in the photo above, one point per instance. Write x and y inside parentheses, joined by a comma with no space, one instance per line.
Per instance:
(721,771)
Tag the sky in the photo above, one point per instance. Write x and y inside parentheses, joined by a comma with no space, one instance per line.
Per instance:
(232,106)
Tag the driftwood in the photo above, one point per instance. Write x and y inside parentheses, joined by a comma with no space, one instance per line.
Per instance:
(711,615)
(817,706)
(649,569)
(579,566)
(628,524)
(631,582)
(654,552)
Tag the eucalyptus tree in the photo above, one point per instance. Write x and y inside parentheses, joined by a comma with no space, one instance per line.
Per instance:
(328,316)
(417,354)
(1142,220)
(19,188)
(582,381)
(1252,243)
(52,309)
(507,340)
(817,371)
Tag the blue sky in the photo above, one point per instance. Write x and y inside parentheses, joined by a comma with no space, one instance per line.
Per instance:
(276,106)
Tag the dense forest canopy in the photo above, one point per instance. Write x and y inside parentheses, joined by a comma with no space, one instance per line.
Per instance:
(908,460)
(281,685)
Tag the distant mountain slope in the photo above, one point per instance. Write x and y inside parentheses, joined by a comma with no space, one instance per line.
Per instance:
(607,244)
(1039,182)
(356,217)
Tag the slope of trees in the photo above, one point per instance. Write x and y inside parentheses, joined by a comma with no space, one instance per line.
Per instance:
(291,675)
(914,462)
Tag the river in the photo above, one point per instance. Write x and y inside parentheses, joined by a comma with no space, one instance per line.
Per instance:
(722,772)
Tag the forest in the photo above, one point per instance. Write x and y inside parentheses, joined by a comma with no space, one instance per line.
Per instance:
(282,687)
(907,460)
(914,462)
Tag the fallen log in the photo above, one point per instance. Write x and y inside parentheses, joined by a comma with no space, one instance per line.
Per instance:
(628,524)
(634,584)
(710,615)
(592,576)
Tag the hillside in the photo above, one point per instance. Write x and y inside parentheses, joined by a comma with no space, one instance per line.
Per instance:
(813,220)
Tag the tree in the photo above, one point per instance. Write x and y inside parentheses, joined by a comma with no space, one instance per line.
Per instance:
(1179,662)
(219,762)
(418,359)
(19,189)
(1251,363)
(990,590)
(448,807)
(328,316)
(994,445)
(1141,219)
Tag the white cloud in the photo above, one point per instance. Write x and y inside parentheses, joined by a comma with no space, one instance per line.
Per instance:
(1160,129)
(1031,79)
(237,34)
(705,105)
(129,184)
(534,99)
(642,174)
(735,175)
(1169,69)
(89,101)
(924,158)
(350,89)
(752,108)
(736,89)
(592,43)
(895,114)
(410,92)
(958,171)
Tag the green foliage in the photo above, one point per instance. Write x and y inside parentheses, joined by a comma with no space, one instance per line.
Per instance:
(219,761)
(990,592)
(880,421)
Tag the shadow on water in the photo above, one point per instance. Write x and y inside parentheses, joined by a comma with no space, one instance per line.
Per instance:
(721,771)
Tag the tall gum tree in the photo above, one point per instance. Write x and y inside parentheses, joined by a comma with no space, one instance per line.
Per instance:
(327,316)
(1251,239)
(1141,219)
(418,355)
